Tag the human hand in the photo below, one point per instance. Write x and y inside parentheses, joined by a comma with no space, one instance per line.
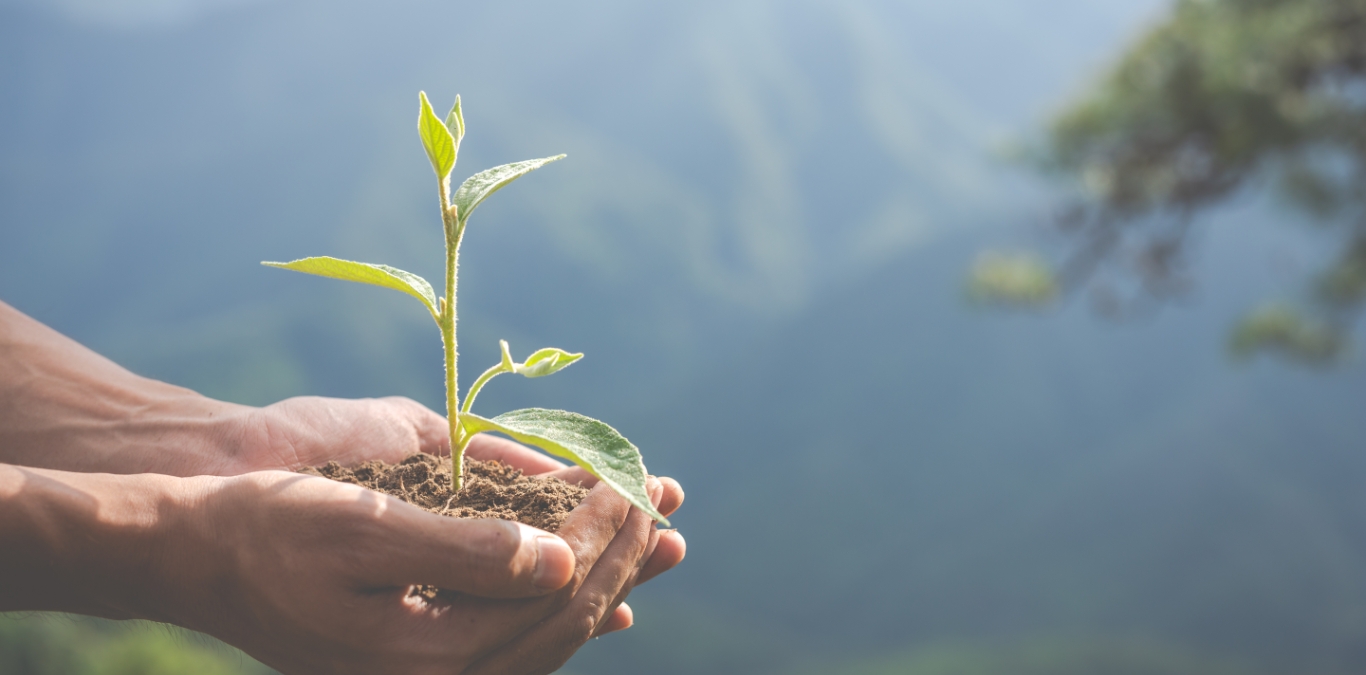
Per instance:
(65,407)
(311,431)
(667,554)
(313,576)
(314,430)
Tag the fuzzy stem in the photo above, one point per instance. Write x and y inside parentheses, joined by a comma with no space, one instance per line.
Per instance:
(453,234)
(479,384)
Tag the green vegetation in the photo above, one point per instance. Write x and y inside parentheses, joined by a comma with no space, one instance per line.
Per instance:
(1022,279)
(1223,96)
(587,442)
(1284,328)
(43,645)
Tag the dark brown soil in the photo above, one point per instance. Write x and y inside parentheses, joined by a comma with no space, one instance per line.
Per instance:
(492,489)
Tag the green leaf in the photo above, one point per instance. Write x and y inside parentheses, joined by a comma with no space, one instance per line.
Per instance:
(478,187)
(591,444)
(455,123)
(436,138)
(365,273)
(545,362)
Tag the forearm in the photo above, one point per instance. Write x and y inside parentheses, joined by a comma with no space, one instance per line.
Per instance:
(97,544)
(63,406)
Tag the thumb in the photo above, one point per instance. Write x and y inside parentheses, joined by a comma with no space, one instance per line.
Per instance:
(484,557)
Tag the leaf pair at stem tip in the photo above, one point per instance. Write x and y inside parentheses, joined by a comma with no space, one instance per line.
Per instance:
(440,139)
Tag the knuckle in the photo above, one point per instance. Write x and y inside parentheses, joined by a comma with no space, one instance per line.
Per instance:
(582,626)
(268,432)
(640,543)
(399,404)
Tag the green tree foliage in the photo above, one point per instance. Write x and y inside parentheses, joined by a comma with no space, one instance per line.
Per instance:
(1022,279)
(1223,96)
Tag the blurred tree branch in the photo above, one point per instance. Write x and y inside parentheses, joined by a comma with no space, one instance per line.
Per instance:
(1222,96)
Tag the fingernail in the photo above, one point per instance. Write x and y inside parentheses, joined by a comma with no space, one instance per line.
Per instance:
(554,562)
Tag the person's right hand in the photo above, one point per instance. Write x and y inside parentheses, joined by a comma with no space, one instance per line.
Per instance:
(313,576)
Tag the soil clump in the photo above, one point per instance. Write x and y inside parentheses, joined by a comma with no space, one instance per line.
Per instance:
(492,489)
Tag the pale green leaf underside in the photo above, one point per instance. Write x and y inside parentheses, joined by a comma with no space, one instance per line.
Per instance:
(365,273)
(591,444)
(478,187)
(546,361)
(436,138)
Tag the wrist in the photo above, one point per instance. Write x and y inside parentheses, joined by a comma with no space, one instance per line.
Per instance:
(178,433)
(97,544)
(65,407)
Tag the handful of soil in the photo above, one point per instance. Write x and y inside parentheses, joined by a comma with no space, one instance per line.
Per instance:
(492,489)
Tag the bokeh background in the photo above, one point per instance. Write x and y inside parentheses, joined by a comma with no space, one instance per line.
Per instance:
(763,238)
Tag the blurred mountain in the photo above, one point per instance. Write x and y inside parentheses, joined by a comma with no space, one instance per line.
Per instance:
(728,160)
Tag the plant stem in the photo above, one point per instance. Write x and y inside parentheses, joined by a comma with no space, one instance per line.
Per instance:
(453,234)
(479,384)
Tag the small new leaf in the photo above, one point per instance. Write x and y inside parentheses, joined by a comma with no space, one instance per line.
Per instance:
(591,444)
(455,123)
(545,362)
(436,138)
(478,187)
(365,273)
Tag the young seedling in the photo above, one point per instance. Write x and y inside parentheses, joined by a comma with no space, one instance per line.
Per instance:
(591,444)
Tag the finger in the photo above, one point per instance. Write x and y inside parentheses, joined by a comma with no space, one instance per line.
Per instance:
(591,528)
(672,497)
(631,582)
(588,530)
(550,643)
(483,557)
(432,431)
(489,447)
(670,551)
(668,503)
(621,619)
(574,475)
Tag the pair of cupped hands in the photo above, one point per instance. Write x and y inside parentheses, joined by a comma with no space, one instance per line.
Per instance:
(333,562)
(126,497)
(313,576)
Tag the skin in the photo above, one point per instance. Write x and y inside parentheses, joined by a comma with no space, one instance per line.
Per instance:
(129,498)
